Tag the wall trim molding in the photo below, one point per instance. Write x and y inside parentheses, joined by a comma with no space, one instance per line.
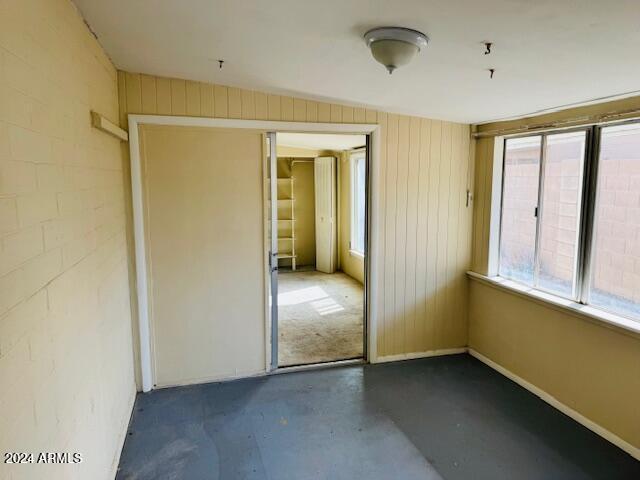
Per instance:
(558,405)
(416,355)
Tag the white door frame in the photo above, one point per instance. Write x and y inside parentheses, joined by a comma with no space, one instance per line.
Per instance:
(267,126)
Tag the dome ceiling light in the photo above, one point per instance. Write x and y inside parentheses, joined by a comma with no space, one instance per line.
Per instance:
(394,47)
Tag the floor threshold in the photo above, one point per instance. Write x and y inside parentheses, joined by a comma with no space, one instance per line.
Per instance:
(318,366)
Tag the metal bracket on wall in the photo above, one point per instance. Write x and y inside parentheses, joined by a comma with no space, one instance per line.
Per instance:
(101,123)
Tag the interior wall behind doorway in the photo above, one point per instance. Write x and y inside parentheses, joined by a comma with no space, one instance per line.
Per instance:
(305,212)
(424,224)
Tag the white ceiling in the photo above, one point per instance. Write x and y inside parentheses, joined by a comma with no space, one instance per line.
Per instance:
(320,141)
(547,53)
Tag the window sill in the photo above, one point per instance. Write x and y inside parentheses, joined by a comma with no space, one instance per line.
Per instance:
(356,254)
(559,303)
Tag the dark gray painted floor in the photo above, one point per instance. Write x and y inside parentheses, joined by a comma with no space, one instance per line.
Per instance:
(447,417)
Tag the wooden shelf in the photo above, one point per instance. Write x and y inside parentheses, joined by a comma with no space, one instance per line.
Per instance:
(285,203)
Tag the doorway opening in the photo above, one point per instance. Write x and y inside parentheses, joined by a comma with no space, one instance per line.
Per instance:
(321,227)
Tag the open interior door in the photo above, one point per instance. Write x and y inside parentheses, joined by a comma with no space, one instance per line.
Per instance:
(326,225)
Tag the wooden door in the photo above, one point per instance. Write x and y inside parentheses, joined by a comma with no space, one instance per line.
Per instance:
(326,226)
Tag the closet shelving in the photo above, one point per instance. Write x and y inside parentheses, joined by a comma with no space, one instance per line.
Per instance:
(286,221)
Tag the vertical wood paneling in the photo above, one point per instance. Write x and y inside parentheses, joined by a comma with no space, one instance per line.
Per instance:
(432,234)
(401,232)
(464,233)
(421,235)
(193,98)
(235,102)
(336,113)
(248,105)
(411,251)
(163,96)
(178,97)
(382,196)
(443,212)
(390,237)
(148,91)
(134,95)
(273,107)
(261,106)
(286,109)
(312,111)
(324,112)
(449,328)
(485,150)
(122,99)
(220,101)
(206,100)
(347,114)
(299,110)
(425,235)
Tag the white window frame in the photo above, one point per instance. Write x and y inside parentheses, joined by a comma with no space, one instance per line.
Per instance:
(356,156)
(581,232)
(580,303)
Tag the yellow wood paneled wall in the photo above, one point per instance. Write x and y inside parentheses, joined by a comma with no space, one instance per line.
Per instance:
(425,235)
(482,204)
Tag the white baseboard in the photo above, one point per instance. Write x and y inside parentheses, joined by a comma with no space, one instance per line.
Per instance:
(414,355)
(581,419)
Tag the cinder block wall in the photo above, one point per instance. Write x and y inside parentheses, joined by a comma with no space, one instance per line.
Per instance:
(66,373)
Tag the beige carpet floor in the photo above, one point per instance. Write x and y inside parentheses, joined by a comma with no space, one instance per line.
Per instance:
(320,317)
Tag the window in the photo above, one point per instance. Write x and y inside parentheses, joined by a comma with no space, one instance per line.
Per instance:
(615,264)
(565,234)
(358,200)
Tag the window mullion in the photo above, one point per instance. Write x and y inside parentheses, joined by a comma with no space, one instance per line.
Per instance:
(588,216)
(536,261)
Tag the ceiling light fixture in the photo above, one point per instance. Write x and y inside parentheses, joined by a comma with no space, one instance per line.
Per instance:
(394,47)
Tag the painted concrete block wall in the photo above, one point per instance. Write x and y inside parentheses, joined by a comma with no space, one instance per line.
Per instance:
(66,370)
(425,225)
(592,369)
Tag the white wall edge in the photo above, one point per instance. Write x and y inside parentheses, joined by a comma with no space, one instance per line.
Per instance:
(495,218)
(297,127)
(142,291)
(578,417)
(416,355)
(140,256)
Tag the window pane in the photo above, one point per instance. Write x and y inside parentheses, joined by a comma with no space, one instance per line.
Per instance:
(519,200)
(360,214)
(615,268)
(560,212)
